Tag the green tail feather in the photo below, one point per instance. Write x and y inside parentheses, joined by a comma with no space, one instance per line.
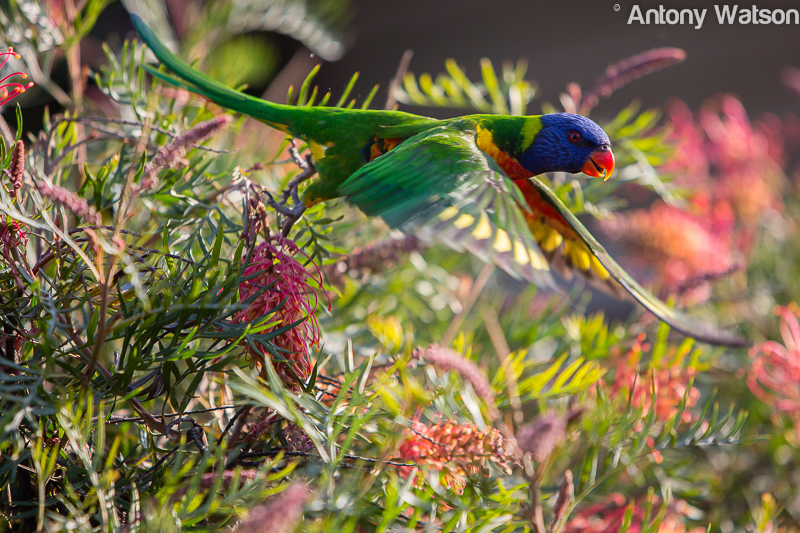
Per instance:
(274,114)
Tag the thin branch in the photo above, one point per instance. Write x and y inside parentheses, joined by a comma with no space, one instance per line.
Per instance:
(103,120)
(394,85)
(474,292)
(121,419)
(287,453)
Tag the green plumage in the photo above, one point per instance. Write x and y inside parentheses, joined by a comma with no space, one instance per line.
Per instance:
(437,181)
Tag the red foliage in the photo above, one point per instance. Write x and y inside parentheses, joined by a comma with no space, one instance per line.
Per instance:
(732,169)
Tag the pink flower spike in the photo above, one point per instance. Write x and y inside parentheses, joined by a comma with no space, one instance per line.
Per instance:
(284,290)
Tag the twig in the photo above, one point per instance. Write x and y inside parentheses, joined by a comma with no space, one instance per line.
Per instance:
(534,511)
(85,119)
(77,81)
(121,419)
(474,292)
(239,413)
(503,353)
(292,214)
(287,453)
(402,68)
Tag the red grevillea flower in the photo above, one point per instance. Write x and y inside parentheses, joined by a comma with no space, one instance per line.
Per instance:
(660,388)
(454,449)
(286,294)
(10,89)
(777,367)
(608,517)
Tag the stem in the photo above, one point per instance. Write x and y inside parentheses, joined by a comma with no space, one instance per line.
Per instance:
(474,292)
(402,68)
(503,352)
(76,83)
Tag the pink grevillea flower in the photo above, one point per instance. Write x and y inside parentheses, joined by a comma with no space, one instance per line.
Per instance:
(10,89)
(608,517)
(726,157)
(285,293)
(454,449)
(777,367)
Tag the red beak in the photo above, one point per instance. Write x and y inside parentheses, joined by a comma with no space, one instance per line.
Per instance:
(600,163)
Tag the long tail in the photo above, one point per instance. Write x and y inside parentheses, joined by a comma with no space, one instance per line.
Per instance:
(276,115)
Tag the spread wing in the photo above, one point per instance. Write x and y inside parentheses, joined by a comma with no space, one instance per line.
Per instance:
(440,186)
(577,247)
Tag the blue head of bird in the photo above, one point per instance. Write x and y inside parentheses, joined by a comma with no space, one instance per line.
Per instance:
(571,143)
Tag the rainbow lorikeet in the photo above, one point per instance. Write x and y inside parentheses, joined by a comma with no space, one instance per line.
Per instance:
(468,182)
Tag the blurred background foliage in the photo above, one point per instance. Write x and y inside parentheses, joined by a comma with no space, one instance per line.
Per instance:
(170,362)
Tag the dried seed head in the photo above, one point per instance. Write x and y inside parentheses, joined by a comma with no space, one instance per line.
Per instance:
(564,498)
(630,69)
(450,360)
(17,168)
(70,201)
(281,514)
(791,78)
(170,156)
(541,436)
(372,259)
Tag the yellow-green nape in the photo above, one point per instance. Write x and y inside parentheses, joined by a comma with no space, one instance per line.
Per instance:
(530,129)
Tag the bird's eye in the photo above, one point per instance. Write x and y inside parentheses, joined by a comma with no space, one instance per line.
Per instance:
(574,136)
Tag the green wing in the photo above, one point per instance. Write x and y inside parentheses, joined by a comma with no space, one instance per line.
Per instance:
(683,323)
(439,186)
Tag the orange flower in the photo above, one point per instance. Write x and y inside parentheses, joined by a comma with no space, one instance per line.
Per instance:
(680,246)
(454,449)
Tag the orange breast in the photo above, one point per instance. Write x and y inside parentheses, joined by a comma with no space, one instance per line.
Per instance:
(510,166)
(543,210)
